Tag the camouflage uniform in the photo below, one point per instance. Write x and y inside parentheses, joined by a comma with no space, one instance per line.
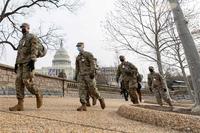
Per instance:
(84,68)
(155,82)
(24,68)
(129,72)
(27,50)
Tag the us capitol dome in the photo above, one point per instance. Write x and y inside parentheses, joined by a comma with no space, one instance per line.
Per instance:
(60,63)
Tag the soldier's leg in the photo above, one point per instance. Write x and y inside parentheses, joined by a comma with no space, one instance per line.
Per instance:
(19,91)
(88,100)
(93,90)
(133,91)
(139,92)
(82,93)
(28,80)
(126,87)
(158,96)
(165,97)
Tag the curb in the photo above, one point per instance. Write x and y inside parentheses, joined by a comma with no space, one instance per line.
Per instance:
(176,121)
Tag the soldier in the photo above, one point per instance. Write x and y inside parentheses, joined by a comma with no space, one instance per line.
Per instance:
(24,68)
(129,75)
(156,85)
(85,74)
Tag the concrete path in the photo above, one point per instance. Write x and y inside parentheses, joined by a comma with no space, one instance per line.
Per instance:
(59,115)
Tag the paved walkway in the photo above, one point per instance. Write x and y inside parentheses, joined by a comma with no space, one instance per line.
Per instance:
(59,115)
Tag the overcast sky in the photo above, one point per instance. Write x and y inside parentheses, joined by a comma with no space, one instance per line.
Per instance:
(85,25)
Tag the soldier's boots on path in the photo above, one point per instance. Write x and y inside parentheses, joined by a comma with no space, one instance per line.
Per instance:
(134,101)
(102,103)
(39,99)
(88,103)
(18,107)
(82,108)
(94,101)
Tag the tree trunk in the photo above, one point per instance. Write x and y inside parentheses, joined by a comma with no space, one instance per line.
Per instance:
(189,90)
(187,84)
(192,55)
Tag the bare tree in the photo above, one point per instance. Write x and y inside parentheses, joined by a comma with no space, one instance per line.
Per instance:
(139,26)
(175,52)
(12,10)
(189,48)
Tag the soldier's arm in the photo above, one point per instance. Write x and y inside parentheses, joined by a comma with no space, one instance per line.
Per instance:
(149,82)
(118,73)
(91,61)
(34,49)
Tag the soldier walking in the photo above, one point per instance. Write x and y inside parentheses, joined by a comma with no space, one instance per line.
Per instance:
(128,72)
(24,68)
(85,75)
(156,85)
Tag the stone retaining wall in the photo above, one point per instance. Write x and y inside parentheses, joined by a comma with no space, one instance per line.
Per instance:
(49,85)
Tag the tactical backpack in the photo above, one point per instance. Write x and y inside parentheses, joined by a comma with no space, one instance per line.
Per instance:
(41,49)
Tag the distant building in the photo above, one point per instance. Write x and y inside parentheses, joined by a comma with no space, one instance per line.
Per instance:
(60,63)
(109,73)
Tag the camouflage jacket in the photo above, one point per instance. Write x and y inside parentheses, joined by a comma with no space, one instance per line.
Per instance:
(155,80)
(27,49)
(85,64)
(127,71)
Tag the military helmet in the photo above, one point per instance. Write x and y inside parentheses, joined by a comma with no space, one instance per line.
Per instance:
(151,67)
(25,25)
(121,56)
(79,44)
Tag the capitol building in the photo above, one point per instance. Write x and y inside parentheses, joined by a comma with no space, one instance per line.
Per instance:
(60,63)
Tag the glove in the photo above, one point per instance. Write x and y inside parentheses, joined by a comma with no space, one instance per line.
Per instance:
(16,67)
(31,65)
(92,75)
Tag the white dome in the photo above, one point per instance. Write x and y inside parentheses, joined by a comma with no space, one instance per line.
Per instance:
(61,57)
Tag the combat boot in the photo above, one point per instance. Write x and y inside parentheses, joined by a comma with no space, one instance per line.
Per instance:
(102,103)
(39,98)
(94,101)
(88,103)
(18,107)
(82,108)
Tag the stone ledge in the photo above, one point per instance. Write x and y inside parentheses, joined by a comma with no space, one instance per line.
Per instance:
(181,122)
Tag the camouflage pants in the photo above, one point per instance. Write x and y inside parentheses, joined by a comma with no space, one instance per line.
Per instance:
(25,78)
(161,94)
(132,86)
(87,87)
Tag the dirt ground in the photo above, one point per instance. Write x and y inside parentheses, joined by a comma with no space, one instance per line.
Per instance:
(59,115)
